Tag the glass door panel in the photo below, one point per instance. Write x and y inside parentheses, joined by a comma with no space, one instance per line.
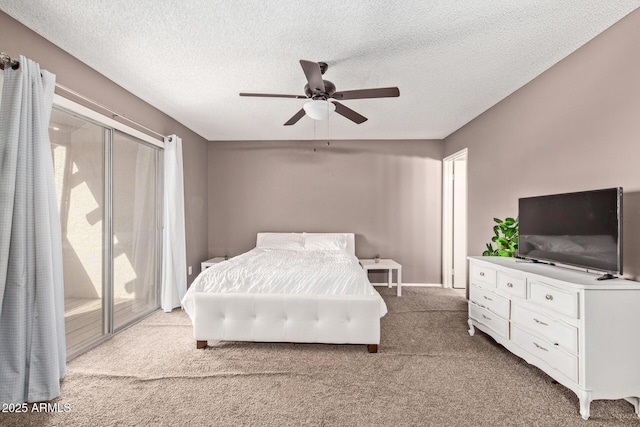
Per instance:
(78,159)
(135,228)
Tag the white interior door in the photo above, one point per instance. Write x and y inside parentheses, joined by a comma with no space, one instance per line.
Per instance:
(460,223)
(454,266)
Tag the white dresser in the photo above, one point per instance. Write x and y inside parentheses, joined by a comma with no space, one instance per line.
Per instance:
(580,331)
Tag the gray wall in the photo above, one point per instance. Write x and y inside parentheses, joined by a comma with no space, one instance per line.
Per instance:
(17,39)
(575,127)
(387,192)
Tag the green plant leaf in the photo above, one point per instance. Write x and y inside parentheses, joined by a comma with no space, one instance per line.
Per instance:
(503,241)
(505,237)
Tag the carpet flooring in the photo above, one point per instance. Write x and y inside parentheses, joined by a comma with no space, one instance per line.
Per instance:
(428,372)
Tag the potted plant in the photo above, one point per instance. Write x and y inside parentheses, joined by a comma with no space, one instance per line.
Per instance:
(376,259)
(505,237)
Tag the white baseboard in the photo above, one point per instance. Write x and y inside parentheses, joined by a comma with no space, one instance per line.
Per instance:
(417,285)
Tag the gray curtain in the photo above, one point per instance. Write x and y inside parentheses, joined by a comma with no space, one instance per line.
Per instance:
(32,338)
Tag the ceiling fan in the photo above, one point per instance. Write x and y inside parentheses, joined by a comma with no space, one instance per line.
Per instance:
(319,91)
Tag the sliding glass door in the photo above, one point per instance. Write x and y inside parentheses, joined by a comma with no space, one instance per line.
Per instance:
(108,191)
(135,228)
(78,148)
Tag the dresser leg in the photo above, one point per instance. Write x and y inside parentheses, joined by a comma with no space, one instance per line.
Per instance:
(472,329)
(635,401)
(585,404)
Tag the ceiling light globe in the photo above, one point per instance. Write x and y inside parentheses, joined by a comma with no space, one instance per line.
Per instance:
(319,109)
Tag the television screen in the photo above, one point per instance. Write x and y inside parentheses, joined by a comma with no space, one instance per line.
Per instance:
(582,229)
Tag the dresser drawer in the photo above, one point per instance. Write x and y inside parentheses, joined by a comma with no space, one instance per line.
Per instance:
(487,299)
(512,285)
(554,331)
(489,319)
(483,276)
(560,300)
(556,358)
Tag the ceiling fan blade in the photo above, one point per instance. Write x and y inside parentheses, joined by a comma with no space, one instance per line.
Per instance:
(293,120)
(384,92)
(314,75)
(273,95)
(349,113)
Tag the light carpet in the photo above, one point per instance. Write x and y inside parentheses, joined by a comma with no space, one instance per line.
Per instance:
(428,372)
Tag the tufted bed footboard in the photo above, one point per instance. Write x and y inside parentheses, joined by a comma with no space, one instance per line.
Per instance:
(298,318)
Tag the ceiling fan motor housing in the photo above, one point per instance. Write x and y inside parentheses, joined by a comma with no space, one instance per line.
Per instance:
(329,89)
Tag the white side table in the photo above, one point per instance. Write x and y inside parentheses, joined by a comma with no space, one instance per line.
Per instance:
(208,263)
(385,264)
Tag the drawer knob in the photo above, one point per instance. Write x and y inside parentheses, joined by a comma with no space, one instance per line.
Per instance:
(539,346)
(488,318)
(549,297)
(486,297)
(539,322)
(482,273)
(509,285)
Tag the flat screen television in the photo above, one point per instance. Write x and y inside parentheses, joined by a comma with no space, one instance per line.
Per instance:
(582,229)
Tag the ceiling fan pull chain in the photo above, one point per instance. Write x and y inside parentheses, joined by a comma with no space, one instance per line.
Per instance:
(328,131)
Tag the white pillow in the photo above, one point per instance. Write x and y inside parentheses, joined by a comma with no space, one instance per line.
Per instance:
(325,242)
(289,241)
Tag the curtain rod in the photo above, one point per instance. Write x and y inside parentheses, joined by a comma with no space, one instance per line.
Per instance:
(15,64)
(114,114)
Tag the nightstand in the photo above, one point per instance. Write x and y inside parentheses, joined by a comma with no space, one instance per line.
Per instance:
(385,264)
(208,263)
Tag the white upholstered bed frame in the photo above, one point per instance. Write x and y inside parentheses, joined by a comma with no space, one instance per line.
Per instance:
(299,318)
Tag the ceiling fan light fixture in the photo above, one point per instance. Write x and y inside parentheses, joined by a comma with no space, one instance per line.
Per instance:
(319,109)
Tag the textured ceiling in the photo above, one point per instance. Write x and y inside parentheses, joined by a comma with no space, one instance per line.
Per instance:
(452,60)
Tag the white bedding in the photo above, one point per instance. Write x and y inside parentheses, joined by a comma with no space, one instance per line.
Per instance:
(278,271)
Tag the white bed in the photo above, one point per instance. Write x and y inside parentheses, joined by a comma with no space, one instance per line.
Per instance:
(293,287)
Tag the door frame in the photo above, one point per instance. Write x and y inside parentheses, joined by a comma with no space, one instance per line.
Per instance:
(447,214)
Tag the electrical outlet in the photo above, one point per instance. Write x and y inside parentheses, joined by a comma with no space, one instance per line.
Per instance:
(190,270)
